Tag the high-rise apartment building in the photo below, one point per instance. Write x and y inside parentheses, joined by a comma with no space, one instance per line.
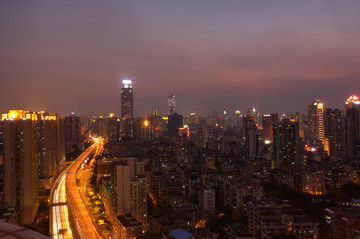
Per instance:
(21,164)
(238,122)
(266,127)
(333,131)
(130,195)
(351,132)
(267,122)
(352,110)
(127,107)
(51,144)
(113,128)
(1,165)
(171,104)
(73,140)
(316,122)
(208,200)
(286,148)
(252,139)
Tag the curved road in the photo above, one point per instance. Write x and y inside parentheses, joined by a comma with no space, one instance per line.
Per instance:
(68,207)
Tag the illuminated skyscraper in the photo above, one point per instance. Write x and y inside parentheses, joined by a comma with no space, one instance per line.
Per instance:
(171,104)
(21,164)
(127,107)
(316,122)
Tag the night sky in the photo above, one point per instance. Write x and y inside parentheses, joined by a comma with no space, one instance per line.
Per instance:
(277,56)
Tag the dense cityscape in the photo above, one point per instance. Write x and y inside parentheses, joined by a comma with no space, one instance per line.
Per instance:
(169,119)
(233,175)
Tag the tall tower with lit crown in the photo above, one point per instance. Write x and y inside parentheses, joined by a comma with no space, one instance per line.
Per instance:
(352,102)
(352,112)
(316,121)
(127,107)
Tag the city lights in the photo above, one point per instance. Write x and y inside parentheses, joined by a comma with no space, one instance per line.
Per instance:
(194,119)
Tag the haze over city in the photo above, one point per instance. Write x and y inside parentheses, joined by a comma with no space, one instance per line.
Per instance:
(180,119)
(277,56)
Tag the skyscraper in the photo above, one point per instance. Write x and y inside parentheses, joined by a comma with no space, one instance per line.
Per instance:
(73,140)
(316,122)
(1,165)
(352,102)
(267,124)
(127,107)
(21,164)
(252,139)
(175,122)
(334,131)
(267,127)
(171,104)
(352,112)
(286,148)
(51,144)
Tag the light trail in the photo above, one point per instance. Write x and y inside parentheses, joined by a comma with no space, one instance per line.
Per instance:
(66,203)
(60,218)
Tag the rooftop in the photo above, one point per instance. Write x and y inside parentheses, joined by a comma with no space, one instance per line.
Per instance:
(8,230)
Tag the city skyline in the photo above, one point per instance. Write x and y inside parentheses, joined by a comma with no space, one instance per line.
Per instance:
(180,119)
(278,57)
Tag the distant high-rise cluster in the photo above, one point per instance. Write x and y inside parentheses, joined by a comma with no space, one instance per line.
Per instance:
(185,168)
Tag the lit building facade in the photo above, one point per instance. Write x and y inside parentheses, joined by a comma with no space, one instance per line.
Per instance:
(21,164)
(127,107)
(316,122)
